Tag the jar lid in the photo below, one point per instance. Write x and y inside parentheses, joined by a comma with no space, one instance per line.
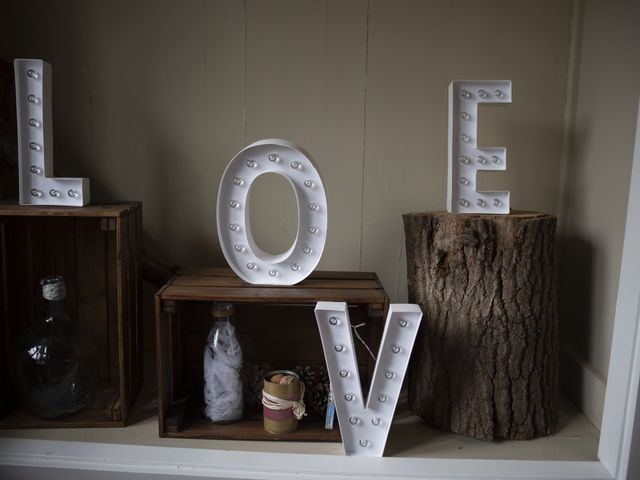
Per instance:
(222,310)
(53,288)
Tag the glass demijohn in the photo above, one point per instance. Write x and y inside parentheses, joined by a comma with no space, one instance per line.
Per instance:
(55,359)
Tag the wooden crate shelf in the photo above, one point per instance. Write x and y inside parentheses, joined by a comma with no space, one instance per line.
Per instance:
(274,324)
(98,251)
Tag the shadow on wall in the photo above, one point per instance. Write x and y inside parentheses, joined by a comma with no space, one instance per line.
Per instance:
(576,261)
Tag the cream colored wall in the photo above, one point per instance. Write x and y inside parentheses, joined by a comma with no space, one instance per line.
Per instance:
(153,98)
(594,199)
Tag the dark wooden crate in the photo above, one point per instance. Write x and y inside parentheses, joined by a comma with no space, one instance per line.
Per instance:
(98,251)
(275,325)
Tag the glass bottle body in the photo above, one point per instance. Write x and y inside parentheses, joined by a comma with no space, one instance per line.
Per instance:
(222,367)
(55,364)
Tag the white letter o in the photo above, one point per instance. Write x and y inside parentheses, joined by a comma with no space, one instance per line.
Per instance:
(251,263)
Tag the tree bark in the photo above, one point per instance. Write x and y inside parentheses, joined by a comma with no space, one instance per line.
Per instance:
(485,363)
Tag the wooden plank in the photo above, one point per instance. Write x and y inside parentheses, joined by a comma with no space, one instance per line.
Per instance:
(209,281)
(116,209)
(90,417)
(91,286)
(111,273)
(308,431)
(5,342)
(162,367)
(226,272)
(267,294)
(122,233)
(138,319)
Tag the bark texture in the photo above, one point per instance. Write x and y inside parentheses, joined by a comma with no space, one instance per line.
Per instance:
(485,363)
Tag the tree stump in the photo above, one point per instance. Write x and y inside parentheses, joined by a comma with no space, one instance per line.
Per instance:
(485,363)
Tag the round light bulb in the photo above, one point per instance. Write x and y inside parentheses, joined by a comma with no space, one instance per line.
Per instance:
(238,248)
(465,138)
(464,93)
(363,442)
(395,348)
(314,207)
(295,267)
(33,99)
(339,348)
(238,181)
(499,93)
(348,397)
(272,273)
(33,74)
(73,194)
(307,250)
(464,159)
(481,203)
(496,159)
(251,266)
(234,227)
(313,229)
(273,157)
(464,180)
(382,398)
(35,147)
(482,160)
(234,204)
(295,165)
(388,375)
(402,323)
(463,202)
(34,169)
(308,183)
(35,192)
(34,123)
(251,163)
(344,373)
(333,320)
(54,193)
(375,421)
(465,116)
(483,93)
(496,202)
(353,420)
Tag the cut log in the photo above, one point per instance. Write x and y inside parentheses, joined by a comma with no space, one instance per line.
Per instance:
(485,363)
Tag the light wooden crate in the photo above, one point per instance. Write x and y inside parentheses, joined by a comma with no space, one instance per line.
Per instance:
(275,324)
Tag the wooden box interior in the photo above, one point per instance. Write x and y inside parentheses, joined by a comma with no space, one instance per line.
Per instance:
(98,257)
(275,330)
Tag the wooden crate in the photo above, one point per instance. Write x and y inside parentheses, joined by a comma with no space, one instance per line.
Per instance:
(98,251)
(275,325)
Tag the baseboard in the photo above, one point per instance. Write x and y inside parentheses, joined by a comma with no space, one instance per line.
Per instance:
(583,385)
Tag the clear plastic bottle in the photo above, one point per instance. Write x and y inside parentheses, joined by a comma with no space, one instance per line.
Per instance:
(55,359)
(222,365)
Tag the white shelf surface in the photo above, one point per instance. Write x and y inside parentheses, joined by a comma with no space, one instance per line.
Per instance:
(575,440)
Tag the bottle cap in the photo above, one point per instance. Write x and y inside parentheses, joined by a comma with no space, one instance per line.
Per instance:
(222,310)
(53,288)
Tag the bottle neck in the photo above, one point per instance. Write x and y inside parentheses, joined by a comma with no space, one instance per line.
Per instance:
(55,310)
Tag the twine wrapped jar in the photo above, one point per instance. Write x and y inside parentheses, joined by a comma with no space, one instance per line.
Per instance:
(281,421)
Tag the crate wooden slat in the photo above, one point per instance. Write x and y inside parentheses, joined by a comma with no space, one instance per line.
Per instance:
(275,324)
(97,249)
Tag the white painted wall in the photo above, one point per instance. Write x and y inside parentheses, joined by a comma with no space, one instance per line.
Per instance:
(595,192)
(153,98)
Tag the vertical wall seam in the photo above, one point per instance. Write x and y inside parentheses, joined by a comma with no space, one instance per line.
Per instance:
(568,130)
(364,128)
(246,76)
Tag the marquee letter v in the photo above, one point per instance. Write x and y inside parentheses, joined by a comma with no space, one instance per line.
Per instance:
(365,427)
